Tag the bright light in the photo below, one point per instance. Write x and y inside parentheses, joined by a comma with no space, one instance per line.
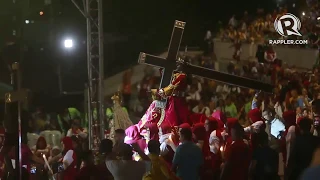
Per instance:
(41,13)
(27,21)
(68,43)
(303,13)
(318,18)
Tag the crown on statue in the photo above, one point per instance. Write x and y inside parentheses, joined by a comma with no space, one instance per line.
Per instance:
(180,61)
(116,96)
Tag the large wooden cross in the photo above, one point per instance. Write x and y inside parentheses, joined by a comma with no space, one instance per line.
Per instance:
(169,65)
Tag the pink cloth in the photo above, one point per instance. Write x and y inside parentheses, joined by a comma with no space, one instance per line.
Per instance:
(152,115)
(132,135)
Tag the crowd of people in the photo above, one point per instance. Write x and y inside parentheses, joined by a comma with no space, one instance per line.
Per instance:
(259,29)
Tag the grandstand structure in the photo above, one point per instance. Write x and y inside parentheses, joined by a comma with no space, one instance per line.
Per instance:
(290,55)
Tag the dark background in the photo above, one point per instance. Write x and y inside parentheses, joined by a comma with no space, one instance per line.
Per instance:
(130,27)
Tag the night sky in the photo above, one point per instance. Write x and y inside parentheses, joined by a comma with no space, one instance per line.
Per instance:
(130,26)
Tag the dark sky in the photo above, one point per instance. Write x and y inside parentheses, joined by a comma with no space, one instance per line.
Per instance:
(145,24)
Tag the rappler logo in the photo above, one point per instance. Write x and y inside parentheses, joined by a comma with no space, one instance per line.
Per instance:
(287,25)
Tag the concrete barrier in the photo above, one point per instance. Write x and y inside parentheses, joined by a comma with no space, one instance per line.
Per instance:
(303,58)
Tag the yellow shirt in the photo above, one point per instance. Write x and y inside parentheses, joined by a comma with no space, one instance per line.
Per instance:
(159,169)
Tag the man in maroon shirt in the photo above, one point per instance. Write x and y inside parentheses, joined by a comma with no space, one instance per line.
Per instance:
(237,156)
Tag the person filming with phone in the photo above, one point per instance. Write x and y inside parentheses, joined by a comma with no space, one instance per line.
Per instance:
(274,128)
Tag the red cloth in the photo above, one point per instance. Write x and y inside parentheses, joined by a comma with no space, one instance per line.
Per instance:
(238,156)
(154,131)
(200,132)
(165,128)
(221,119)
(289,118)
(213,125)
(71,171)
(231,122)
(177,111)
(255,115)
(26,155)
(67,142)
(185,125)
(177,108)
(180,81)
(197,118)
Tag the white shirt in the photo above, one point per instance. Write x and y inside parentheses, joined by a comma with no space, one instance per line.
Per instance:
(205,110)
(127,169)
(194,96)
(82,134)
(233,22)
(68,157)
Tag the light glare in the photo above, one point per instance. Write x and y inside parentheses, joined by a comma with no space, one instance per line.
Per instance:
(68,43)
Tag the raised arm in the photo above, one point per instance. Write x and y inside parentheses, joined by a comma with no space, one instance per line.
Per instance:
(167,91)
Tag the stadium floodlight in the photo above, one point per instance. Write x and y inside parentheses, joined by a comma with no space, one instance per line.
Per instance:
(68,43)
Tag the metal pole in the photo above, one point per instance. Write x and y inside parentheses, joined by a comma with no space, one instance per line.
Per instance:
(19,121)
(96,112)
(101,70)
(89,69)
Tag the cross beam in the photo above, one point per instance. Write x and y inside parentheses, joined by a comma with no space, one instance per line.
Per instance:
(170,64)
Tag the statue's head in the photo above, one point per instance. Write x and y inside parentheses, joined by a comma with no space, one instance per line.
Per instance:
(180,64)
(116,98)
(155,95)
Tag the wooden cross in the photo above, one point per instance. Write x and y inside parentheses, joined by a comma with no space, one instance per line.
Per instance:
(169,66)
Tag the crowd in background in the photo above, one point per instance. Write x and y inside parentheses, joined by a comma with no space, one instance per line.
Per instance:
(259,29)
